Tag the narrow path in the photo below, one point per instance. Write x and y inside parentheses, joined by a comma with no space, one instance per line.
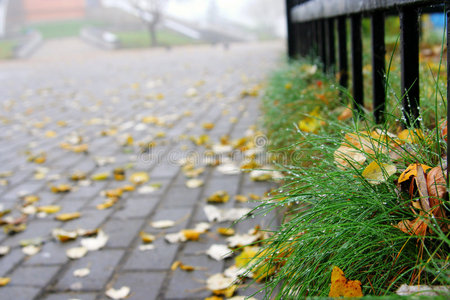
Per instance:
(142,111)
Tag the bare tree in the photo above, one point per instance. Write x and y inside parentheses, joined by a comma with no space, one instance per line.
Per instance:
(150,12)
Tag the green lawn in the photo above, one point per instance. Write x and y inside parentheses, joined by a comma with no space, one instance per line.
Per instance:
(138,39)
(7,49)
(61,29)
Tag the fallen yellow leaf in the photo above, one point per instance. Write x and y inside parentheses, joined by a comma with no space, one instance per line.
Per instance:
(345,157)
(341,287)
(100,176)
(146,237)
(139,178)
(31,199)
(411,136)
(49,209)
(241,198)
(226,231)
(191,234)
(4,281)
(377,173)
(68,216)
(108,203)
(208,125)
(411,170)
(219,197)
(62,188)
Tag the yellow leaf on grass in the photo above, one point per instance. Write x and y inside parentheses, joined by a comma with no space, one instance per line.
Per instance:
(411,170)
(341,287)
(4,281)
(411,136)
(100,176)
(377,173)
(228,292)
(219,197)
(288,86)
(49,209)
(226,231)
(139,178)
(68,216)
(146,237)
(191,234)
(344,157)
(246,256)
(311,123)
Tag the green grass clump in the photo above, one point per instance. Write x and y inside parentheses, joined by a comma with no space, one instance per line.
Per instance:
(337,215)
(7,49)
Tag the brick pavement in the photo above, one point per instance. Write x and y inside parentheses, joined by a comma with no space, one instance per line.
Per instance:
(95,92)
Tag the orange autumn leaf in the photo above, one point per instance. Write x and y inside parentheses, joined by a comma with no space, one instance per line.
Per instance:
(411,170)
(436,185)
(411,136)
(414,227)
(341,287)
(347,113)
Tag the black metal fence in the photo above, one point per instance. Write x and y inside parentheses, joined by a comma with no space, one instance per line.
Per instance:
(312,28)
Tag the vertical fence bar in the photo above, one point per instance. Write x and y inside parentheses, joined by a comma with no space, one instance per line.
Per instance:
(378,66)
(357,75)
(342,44)
(447,11)
(409,43)
(290,29)
(331,45)
(322,43)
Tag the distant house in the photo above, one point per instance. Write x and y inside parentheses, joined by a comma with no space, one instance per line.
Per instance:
(52,10)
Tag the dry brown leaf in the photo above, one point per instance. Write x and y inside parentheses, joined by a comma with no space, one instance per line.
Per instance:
(417,226)
(437,190)
(68,216)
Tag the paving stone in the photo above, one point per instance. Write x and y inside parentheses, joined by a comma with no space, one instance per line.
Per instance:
(160,258)
(181,196)
(122,232)
(19,292)
(10,260)
(35,229)
(34,276)
(143,285)
(185,285)
(74,295)
(90,219)
(135,208)
(165,170)
(180,216)
(52,253)
(101,263)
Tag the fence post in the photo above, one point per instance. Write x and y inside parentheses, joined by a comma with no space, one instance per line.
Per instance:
(343,60)
(290,29)
(331,45)
(409,42)
(357,75)
(378,66)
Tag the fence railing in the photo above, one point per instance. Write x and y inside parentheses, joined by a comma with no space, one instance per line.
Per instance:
(312,28)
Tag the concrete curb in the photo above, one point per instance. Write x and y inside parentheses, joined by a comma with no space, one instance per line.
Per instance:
(31,42)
